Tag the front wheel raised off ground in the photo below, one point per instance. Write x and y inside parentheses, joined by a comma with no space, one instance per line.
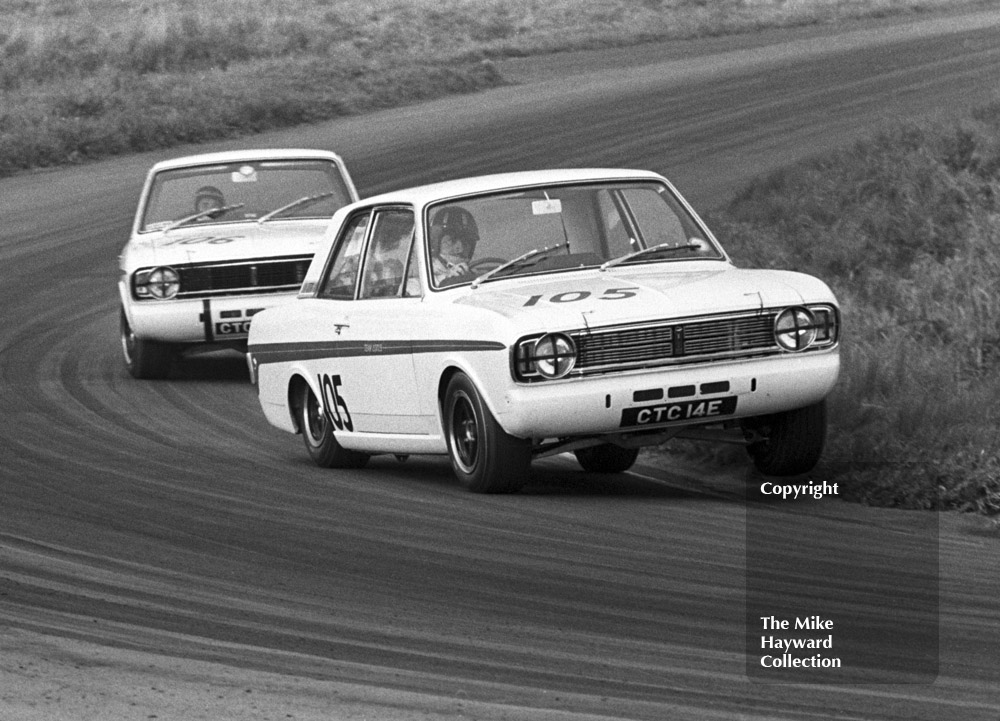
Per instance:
(791,442)
(485,458)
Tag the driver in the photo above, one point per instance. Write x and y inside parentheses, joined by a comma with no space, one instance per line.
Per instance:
(208,197)
(453,236)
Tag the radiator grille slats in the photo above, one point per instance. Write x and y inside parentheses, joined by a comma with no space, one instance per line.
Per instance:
(608,347)
(733,335)
(267,275)
(666,342)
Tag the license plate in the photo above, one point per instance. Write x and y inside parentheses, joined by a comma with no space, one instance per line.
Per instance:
(685,411)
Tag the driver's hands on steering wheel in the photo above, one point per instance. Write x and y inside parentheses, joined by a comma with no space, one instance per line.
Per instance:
(455,269)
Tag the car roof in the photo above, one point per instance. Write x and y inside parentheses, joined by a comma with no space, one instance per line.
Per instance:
(424,194)
(231,156)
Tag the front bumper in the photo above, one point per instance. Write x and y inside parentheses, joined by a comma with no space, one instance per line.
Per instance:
(668,397)
(203,320)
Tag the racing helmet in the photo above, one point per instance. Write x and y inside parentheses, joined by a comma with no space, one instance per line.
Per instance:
(209,192)
(457,222)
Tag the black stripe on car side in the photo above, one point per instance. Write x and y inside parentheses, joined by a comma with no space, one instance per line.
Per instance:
(440,346)
(286,352)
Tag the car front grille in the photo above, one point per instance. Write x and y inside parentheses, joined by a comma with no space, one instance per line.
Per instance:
(267,275)
(663,343)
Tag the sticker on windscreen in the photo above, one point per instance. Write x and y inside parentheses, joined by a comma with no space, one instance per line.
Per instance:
(245,174)
(546,207)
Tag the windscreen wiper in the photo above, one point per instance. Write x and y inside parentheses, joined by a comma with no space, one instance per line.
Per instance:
(294,204)
(522,260)
(210,213)
(654,250)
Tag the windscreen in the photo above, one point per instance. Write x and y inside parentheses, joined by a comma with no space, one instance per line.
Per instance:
(259,187)
(562,227)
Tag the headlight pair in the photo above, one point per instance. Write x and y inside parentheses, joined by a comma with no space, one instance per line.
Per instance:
(799,328)
(156,283)
(550,356)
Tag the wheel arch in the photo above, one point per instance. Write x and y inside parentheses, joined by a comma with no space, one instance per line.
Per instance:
(447,374)
(126,302)
(449,371)
(294,399)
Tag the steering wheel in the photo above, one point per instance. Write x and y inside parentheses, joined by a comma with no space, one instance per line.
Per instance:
(474,266)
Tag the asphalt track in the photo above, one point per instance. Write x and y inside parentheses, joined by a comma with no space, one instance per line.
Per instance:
(163,528)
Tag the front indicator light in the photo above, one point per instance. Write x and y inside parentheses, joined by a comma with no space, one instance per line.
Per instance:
(795,329)
(826,325)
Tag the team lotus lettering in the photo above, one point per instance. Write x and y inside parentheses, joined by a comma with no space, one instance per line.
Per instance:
(689,410)
(334,405)
(571,296)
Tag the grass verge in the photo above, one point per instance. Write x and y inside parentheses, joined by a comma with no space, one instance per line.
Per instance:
(905,227)
(84,80)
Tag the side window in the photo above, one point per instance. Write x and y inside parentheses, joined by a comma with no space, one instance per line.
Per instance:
(615,229)
(342,275)
(385,261)
(657,220)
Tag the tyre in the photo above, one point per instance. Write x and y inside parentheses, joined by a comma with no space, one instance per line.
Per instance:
(317,432)
(606,458)
(144,359)
(485,458)
(793,440)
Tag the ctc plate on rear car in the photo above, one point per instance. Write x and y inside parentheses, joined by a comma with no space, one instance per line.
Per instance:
(216,239)
(504,318)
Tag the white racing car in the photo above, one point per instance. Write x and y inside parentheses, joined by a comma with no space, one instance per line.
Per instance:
(216,239)
(504,318)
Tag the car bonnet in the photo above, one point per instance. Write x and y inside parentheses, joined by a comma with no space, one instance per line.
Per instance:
(597,298)
(228,241)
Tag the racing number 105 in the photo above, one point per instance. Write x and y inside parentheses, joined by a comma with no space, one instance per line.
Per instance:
(571,296)
(334,405)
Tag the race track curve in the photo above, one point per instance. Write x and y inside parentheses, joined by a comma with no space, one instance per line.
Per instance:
(165,553)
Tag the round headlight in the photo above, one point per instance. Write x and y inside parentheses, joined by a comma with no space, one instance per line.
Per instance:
(554,355)
(163,283)
(795,329)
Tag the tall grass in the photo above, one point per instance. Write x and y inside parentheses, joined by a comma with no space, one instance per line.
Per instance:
(87,79)
(905,227)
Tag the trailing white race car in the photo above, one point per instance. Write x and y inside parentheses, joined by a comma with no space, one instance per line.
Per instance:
(216,239)
(507,317)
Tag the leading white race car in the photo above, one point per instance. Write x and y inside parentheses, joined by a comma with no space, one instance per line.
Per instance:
(508,317)
(216,239)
